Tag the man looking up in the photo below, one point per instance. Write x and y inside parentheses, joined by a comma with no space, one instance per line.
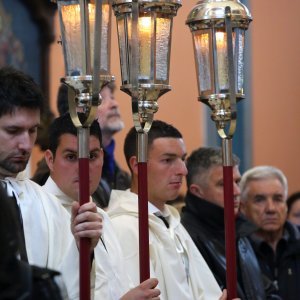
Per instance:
(175,261)
(276,243)
(203,218)
(111,281)
(47,239)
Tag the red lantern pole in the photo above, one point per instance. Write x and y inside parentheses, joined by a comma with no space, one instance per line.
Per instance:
(84,196)
(143,207)
(142,144)
(229,220)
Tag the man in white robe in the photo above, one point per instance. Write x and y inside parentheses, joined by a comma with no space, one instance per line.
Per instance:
(46,224)
(174,259)
(111,281)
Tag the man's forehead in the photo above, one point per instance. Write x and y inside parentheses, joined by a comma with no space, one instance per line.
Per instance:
(265,186)
(20,116)
(69,139)
(164,142)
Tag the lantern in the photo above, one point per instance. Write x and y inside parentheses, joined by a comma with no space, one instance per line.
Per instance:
(218,30)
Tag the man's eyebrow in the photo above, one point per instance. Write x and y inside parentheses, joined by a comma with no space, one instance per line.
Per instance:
(95,149)
(69,150)
(174,155)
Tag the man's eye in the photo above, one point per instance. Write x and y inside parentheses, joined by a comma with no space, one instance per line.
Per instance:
(12,131)
(33,130)
(71,157)
(278,198)
(259,199)
(93,156)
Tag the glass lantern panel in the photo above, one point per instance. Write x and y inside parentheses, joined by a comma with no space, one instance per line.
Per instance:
(121,25)
(239,49)
(163,29)
(105,39)
(202,55)
(144,33)
(71,37)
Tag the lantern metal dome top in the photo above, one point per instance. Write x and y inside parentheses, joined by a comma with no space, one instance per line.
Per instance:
(207,11)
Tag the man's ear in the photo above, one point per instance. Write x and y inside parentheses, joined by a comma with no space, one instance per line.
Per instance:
(196,190)
(133,165)
(49,159)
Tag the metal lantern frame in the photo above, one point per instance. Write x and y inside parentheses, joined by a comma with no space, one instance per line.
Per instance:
(220,85)
(144,35)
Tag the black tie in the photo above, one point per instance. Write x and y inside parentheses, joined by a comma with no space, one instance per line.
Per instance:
(164,219)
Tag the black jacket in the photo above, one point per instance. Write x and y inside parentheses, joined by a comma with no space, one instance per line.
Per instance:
(284,267)
(205,223)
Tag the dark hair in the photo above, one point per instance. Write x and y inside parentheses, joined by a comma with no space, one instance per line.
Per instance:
(159,129)
(292,199)
(18,90)
(110,84)
(62,100)
(62,96)
(201,160)
(63,125)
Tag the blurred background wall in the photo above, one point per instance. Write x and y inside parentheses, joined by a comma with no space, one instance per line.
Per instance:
(271,112)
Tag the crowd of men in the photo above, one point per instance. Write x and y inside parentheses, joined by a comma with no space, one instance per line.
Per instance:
(41,223)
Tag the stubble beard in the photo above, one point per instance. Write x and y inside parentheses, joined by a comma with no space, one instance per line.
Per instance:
(13,167)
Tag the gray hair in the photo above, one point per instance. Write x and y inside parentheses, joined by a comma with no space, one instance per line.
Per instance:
(201,161)
(261,173)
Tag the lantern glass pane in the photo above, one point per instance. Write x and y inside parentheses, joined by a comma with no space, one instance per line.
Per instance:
(144,33)
(202,55)
(122,48)
(239,49)
(163,29)
(105,39)
(71,37)
(222,61)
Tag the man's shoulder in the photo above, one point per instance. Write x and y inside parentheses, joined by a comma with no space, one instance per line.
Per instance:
(48,200)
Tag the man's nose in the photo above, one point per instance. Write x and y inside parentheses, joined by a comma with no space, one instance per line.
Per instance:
(270,205)
(182,170)
(25,141)
(236,189)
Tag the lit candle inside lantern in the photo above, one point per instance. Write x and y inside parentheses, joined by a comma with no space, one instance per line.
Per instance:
(144,28)
(221,43)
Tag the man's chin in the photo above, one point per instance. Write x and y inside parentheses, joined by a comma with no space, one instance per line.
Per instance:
(114,126)
(13,169)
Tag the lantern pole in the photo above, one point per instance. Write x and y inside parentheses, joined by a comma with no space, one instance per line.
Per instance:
(144,87)
(84,82)
(211,17)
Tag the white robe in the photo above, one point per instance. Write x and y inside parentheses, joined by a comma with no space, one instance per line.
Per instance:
(166,259)
(111,281)
(48,238)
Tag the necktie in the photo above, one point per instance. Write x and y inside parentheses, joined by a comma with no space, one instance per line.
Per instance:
(164,219)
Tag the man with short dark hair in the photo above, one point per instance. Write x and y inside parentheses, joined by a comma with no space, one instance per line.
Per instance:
(48,240)
(174,260)
(109,118)
(264,191)
(111,281)
(203,218)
